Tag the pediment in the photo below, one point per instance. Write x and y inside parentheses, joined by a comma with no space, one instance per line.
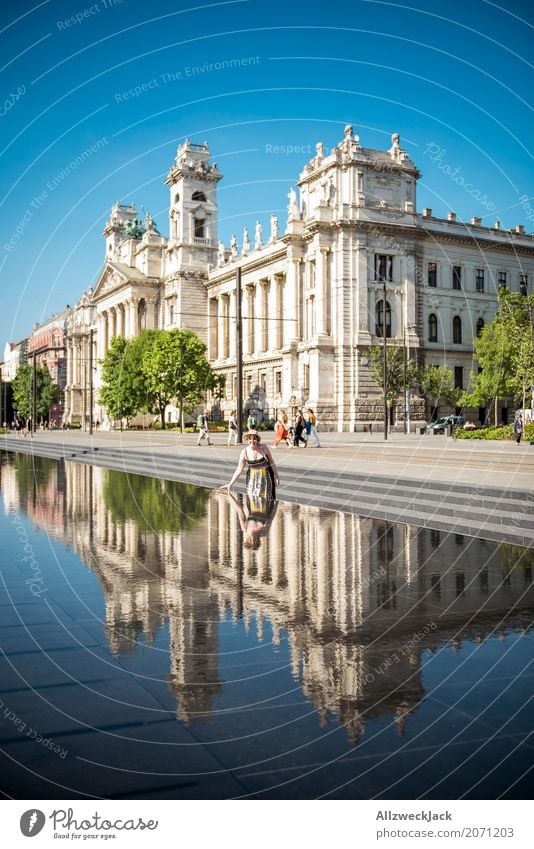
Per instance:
(115,275)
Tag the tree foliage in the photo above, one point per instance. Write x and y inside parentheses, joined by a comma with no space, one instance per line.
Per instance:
(399,378)
(155,368)
(121,381)
(505,351)
(46,391)
(437,385)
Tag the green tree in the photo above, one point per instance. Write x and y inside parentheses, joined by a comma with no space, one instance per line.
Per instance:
(175,367)
(505,351)
(123,392)
(437,385)
(400,376)
(46,391)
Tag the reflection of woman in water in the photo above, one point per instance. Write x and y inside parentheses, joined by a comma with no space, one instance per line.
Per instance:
(254,525)
(262,480)
(262,474)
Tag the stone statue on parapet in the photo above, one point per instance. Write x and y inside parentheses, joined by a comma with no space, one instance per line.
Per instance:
(293,207)
(274,228)
(257,236)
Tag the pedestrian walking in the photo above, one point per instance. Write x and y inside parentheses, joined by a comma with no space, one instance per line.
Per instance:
(232,428)
(298,428)
(203,427)
(251,422)
(311,427)
(281,433)
(518,428)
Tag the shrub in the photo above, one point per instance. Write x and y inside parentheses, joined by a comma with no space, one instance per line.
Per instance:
(494,433)
(74,425)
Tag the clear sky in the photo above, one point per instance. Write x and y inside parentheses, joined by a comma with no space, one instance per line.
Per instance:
(121,84)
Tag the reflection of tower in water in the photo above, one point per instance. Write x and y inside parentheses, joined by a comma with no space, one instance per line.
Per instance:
(360,600)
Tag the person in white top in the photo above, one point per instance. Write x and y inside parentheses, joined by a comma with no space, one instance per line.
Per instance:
(232,428)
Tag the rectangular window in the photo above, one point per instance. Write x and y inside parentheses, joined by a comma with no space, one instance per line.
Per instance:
(263,381)
(306,377)
(457,277)
(199,228)
(249,384)
(171,314)
(479,280)
(383,267)
(502,279)
(458,377)
(432,274)
(312,274)
(523,283)
(278,382)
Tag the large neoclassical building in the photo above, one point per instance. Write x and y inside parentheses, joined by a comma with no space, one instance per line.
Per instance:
(313,285)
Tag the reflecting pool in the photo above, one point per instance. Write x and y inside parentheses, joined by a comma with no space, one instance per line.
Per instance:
(150,651)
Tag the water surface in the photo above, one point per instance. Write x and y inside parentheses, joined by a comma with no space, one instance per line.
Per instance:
(149,651)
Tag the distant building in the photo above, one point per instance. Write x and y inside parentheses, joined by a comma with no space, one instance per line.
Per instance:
(313,285)
(47,344)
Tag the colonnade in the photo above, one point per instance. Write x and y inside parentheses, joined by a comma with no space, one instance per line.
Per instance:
(276,309)
(126,319)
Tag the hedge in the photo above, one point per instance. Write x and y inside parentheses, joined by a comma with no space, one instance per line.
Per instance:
(494,433)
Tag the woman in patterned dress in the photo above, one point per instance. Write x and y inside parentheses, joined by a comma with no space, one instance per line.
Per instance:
(262,474)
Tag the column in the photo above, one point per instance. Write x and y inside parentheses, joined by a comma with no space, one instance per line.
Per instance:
(273,312)
(249,334)
(100,336)
(226,312)
(213,330)
(259,316)
(320,291)
(120,320)
(232,324)
(291,301)
(134,319)
(220,327)
(112,324)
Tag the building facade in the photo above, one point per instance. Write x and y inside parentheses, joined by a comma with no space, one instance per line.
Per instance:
(47,344)
(352,261)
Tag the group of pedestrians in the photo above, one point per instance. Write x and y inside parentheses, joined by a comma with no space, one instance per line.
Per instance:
(300,430)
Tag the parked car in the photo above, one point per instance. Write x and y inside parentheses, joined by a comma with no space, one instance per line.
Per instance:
(440,426)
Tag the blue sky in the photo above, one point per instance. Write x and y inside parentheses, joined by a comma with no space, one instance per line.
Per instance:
(455,76)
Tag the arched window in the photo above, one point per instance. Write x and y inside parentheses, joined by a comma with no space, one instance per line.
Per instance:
(432,328)
(457,330)
(199,196)
(380,319)
(480,326)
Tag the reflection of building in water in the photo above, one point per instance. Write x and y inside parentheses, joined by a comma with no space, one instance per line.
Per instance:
(149,578)
(37,486)
(359,599)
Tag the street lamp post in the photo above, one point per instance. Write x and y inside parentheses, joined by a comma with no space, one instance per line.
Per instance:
(385,357)
(91,382)
(239,358)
